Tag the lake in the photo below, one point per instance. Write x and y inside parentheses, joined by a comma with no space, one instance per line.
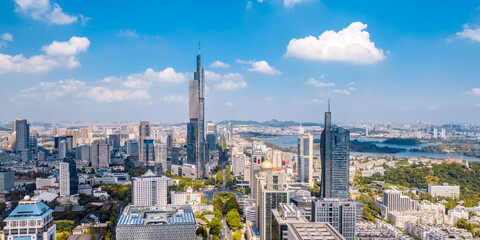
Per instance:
(291,141)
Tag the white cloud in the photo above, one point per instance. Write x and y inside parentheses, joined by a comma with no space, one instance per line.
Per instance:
(317,101)
(128,33)
(73,47)
(318,84)
(249,5)
(212,76)
(149,77)
(342,91)
(477,105)
(351,44)
(54,90)
(313,101)
(472,34)
(58,55)
(433,108)
(102,94)
(291,3)
(7,37)
(260,66)
(229,104)
(76,89)
(219,64)
(231,81)
(268,99)
(46,11)
(175,99)
(474,91)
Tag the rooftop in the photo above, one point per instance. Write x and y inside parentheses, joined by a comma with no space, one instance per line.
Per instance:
(29,209)
(134,215)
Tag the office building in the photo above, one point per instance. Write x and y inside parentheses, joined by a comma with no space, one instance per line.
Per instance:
(7,181)
(100,154)
(68,177)
(114,141)
(149,190)
(393,200)
(444,190)
(211,136)
(196,125)
(335,153)
(340,213)
(132,147)
(82,153)
(22,129)
(186,198)
(281,217)
(169,140)
(30,220)
(305,159)
(161,155)
(149,223)
(143,133)
(62,149)
(148,152)
(310,231)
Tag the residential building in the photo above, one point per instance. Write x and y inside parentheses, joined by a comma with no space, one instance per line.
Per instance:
(161,155)
(7,180)
(340,213)
(68,177)
(149,190)
(305,159)
(100,154)
(444,190)
(238,164)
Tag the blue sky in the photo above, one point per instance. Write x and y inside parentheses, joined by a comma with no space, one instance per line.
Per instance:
(386,61)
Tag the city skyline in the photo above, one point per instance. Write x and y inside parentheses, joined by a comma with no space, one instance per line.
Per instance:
(58,59)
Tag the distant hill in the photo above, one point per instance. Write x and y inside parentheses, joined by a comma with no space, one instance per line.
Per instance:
(271,123)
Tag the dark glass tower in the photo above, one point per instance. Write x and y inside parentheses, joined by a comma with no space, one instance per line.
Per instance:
(335,153)
(196,126)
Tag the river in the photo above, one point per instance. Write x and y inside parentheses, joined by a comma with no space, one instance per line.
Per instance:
(291,141)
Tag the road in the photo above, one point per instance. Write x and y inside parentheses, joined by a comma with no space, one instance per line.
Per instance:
(227,233)
(210,194)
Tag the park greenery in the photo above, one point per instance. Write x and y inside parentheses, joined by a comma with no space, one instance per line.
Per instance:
(219,178)
(230,181)
(184,183)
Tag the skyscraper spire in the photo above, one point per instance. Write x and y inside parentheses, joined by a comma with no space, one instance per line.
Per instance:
(199,44)
(328,104)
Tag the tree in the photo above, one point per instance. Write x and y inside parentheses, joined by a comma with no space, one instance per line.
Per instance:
(217,204)
(210,181)
(219,178)
(202,232)
(215,226)
(237,235)
(231,204)
(233,219)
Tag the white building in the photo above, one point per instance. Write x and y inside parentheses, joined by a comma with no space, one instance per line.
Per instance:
(305,159)
(64,179)
(238,163)
(150,190)
(30,220)
(45,182)
(444,190)
(186,198)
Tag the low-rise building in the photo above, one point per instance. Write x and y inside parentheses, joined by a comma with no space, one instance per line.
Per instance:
(444,190)
(186,198)
(316,230)
(164,222)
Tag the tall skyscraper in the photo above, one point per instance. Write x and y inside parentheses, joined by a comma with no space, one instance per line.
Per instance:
(335,152)
(196,126)
(148,152)
(22,129)
(149,190)
(211,136)
(143,133)
(305,159)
